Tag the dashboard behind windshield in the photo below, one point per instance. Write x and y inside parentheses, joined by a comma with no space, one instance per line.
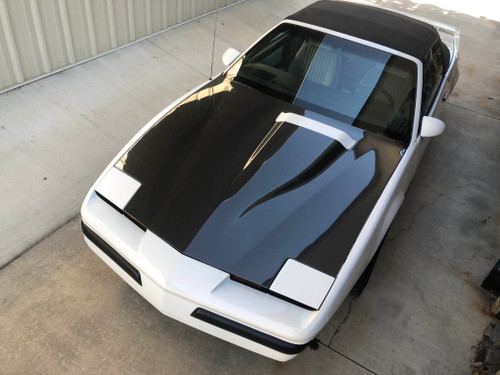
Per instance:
(350,82)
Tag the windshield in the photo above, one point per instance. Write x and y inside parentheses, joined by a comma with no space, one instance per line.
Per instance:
(350,82)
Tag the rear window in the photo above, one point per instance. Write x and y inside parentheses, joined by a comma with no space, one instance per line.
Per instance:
(358,85)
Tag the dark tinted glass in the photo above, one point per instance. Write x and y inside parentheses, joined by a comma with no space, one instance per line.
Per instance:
(350,82)
(278,63)
(433,74)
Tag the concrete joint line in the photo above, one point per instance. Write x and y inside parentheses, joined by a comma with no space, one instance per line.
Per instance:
(337,330)
(43,238)
(414,216)
(347,357)
(471,110)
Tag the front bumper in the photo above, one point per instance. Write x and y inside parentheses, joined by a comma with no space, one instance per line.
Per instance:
(195,293)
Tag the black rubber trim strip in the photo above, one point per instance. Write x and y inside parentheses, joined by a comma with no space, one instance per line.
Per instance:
(112,253)
(247,332)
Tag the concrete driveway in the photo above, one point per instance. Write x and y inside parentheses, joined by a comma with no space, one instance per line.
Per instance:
(62,311)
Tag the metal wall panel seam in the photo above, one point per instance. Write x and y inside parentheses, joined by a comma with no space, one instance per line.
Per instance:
(111,23)
(11,42)
(131,21)
(6,76)
(149,16)
(68,41)
(63,12)
(90,27)
(164,20)
(179,11)
(40,36)
(193,8)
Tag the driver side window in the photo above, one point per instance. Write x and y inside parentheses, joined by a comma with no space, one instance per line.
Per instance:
(433,75)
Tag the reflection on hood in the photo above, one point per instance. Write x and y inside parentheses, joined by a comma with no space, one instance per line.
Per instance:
(224,184)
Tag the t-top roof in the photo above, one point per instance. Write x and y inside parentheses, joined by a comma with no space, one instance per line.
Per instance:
(377,25)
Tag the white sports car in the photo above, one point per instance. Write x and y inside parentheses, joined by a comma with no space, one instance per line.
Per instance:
(252,206)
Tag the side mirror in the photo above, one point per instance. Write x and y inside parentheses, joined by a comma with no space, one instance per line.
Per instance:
(229,56)
(432,127)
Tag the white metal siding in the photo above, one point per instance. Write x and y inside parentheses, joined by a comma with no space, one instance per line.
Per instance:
(38,37)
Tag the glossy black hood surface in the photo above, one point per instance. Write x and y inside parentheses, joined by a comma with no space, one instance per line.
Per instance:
(225,184)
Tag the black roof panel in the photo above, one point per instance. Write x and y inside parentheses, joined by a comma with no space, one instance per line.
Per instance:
(377,25)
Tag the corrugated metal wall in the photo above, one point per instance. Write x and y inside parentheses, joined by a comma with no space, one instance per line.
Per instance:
(38,37)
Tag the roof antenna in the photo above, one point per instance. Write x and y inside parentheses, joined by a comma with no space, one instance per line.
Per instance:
(213,45)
